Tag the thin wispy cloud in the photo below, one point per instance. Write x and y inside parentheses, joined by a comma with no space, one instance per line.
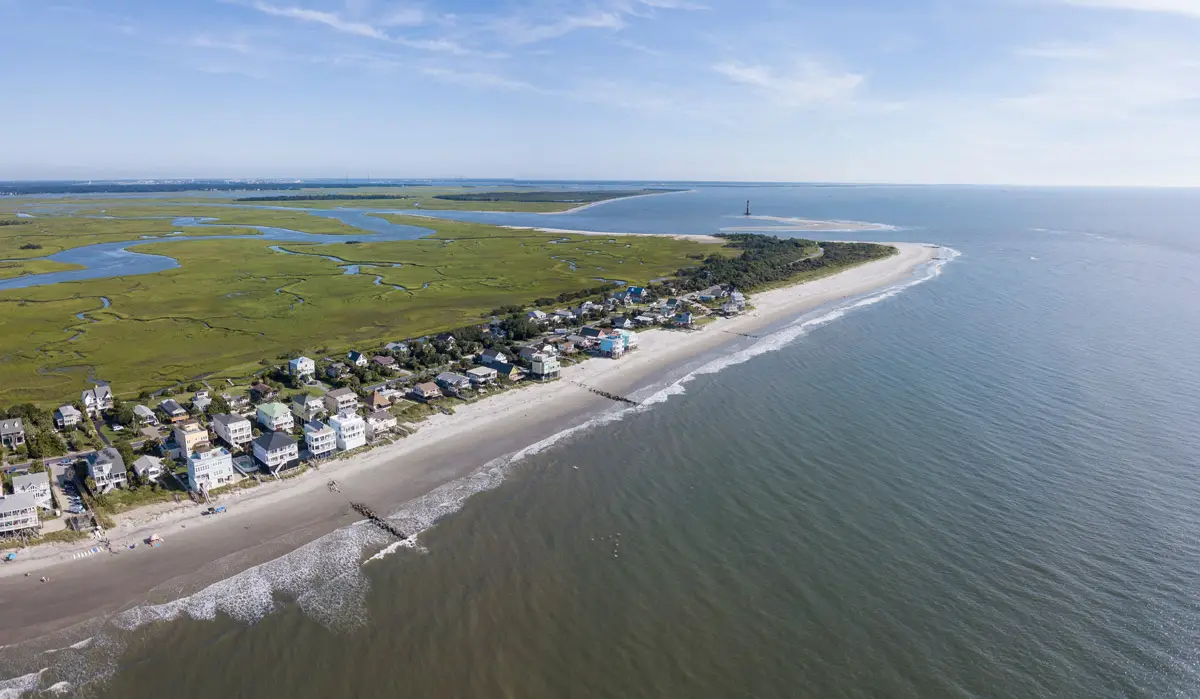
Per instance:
(519,32)
(329,19)
(1189,8)
(476,79)
(809,84)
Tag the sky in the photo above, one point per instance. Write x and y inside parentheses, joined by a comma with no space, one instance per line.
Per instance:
(1053,92)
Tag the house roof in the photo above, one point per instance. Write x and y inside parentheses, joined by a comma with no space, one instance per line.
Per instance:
(12,426)
(70,410)
(274,441)
(229,420)
(354,356)
(492,353)
(381,416)
(481,371)
(274,410)
(452,378)
(141,411)
(171,407)
(507,369)
(426,387)
(383,359)
(339,393)
(316,426)
(28,480)
(107,455)
(17,502)
(100,392)
(147,463)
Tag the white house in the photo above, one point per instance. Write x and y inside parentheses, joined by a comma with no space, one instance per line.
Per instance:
(97,399)
(320,439)
(35,484)
(145,415)
(482,375)
(536,316)
(234,430)
(302,367)
(107,469)
(358,358)
(545,366)
(18,512)
(148,468)
(381,421)
(275,417)
(275,450)
(67,416)
(209,467)
(493,357)
(12,432)
(350,429)
(341,400)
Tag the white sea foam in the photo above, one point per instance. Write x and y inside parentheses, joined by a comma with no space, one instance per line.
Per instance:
(325,577)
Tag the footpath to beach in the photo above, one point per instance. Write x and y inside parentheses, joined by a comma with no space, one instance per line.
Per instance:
(268,521)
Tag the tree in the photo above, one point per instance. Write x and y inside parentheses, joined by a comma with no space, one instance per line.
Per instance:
(219,406)
(193,387)
(125,415)
(126,453)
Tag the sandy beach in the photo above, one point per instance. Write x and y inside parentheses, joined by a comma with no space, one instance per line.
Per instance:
(268,521)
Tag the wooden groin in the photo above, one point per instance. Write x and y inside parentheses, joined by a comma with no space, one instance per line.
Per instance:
(752,337)
(606,394)
(380,522)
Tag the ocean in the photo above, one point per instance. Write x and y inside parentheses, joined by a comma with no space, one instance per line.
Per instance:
(979,485)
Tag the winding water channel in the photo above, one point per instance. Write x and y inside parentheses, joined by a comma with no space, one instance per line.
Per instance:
(115,259)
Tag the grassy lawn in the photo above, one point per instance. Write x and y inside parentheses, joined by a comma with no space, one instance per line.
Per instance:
(122,499)
(234,303)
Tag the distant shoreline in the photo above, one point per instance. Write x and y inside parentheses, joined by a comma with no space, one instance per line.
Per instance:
(581,207)
(272,520)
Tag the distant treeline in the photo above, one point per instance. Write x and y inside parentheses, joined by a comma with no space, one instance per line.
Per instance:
(766,259)
(561,298)
(13,221)
(563,197)
(22,188)
(325,197)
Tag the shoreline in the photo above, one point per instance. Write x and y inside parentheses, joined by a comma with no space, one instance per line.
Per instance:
(581,207)
(276,518)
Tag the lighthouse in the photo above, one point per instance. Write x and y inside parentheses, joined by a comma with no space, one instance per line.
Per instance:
(747,207)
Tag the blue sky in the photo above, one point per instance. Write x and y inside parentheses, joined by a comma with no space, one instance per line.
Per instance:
(940,91)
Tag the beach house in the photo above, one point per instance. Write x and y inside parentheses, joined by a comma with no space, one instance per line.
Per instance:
(426,391)
(536,316)
(383,362)
(276,450)
(350,430)
(173,410)
(189,436)
(509,371)
(341,400)
(261,392)
(36,485)
(107,469)
(683,320)
(336,370)
(381,421)
(201,400)
(357,358)
(97,399)
(67,416)
(492,356)
(612,346)
(302,368)
(377,401)
(234,430)
(12,432)
(545,365)
(145,415)
(320,439)
(482,375)
(452,383)
(209,467)
(396,347)
(275,417)
(148,468)
(18,512)
(306,407)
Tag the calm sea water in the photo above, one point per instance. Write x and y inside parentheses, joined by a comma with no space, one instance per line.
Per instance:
(982,486)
